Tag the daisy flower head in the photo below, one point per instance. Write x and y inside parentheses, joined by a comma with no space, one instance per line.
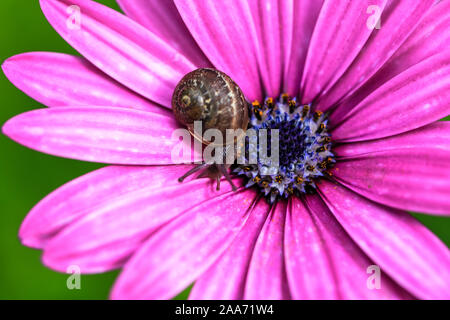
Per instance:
(355,91)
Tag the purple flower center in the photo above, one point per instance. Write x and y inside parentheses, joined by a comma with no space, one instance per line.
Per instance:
(304,148)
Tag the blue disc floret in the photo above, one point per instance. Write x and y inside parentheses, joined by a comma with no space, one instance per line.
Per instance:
(304,148)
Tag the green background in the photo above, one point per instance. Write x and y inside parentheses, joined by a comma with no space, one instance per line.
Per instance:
(27,176)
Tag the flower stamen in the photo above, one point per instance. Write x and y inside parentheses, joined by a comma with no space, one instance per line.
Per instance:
(304,148)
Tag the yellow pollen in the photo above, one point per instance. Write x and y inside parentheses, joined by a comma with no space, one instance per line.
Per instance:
(305,111)
(298,180)
(317,115)
(321,149)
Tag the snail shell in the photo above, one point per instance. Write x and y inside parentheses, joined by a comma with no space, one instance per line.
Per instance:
(212,97)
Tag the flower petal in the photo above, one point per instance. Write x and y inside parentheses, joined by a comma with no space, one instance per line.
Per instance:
(108,233)
(323,262)
(416,97)
(120,47)
(225,279)
(88,193)
(266,278)
(98,134)
(57,79)
(162,18)
(226,33)
(298,19)
(398,20)
(409,171)
(185,248)
(266,17)
(430,37)
(339,35)
(309,271)
(402,247)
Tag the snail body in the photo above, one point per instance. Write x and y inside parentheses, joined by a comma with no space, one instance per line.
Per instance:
(213,98)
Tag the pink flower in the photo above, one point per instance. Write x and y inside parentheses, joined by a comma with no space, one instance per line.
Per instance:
(385,90)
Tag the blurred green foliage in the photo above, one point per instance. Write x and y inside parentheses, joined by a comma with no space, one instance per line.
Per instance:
(27,176)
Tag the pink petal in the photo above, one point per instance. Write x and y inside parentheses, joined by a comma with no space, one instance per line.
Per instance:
(402,247)
(225,279)
(398,20)
(122,48)
(185,248)
(340,34)
(162,18)
(92,191)
(309,271)
(430,37)
(57,79)
(298,19)
(108,232)
(325,263)
(226,33)
(98,134)
(266,278)
(266,17)
(409,171)
(416,97)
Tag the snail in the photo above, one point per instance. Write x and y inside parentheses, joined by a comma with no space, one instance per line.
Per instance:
(212,97)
